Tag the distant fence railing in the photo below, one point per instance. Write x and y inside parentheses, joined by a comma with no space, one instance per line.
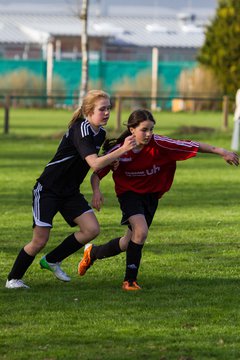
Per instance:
(171,103)
(179,103)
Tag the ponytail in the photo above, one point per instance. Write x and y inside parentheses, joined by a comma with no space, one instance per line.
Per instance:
(77,116)
(110,143)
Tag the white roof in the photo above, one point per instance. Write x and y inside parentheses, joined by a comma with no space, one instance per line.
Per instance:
(160,31)
(166,30)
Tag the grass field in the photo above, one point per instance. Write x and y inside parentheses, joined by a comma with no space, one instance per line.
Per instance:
(189,307)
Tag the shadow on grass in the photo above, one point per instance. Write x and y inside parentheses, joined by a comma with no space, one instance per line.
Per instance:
(184,292)
(174,316)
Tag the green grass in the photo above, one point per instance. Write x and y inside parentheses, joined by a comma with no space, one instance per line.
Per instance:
(189,308)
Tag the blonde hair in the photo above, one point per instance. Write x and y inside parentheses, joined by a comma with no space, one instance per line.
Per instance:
(88,105)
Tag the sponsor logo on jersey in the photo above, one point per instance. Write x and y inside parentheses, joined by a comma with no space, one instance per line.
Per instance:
(154,170)
(125,159)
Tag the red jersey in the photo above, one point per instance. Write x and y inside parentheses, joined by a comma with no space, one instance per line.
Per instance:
(152,169)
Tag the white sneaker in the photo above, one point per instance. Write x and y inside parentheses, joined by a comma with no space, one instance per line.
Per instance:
(16,284)
(55,268)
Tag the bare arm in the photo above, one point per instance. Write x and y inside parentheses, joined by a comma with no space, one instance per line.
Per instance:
(230,157)
(99,162)
(97,197)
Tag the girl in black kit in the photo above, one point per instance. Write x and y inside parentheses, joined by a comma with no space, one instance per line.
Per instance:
(57,188)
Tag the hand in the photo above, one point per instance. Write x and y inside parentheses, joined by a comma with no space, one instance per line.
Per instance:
(97,200)
(230,157)
(129,143)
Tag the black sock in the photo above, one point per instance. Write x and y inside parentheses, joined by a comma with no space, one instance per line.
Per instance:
(133,258)
(69,246)
(109,249)
(21,264)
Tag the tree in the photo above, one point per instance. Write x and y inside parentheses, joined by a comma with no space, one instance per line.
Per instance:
(84,37)
(221,50)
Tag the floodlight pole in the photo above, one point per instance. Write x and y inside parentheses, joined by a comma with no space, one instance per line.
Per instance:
(154,78)
(49,71)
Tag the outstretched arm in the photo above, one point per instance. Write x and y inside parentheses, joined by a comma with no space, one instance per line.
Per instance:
(230,157)
(99,162)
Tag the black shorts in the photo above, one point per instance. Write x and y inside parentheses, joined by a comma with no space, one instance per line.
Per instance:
(132,203)
(46,204)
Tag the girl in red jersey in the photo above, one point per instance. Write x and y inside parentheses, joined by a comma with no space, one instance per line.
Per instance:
(144,174)
(58,189)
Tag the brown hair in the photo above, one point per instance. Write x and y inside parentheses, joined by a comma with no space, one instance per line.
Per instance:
(88,105)
(135,118)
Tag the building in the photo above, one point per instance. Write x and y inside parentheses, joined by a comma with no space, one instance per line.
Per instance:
(126,32)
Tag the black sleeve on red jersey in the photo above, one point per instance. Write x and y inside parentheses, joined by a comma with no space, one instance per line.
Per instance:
(103,172)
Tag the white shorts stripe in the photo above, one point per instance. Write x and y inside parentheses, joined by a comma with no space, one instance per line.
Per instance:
(36,207)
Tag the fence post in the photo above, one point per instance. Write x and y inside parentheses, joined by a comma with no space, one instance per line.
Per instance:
(6,114)
(118,112)
(225,112)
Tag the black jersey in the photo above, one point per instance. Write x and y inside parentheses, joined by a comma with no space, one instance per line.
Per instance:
(68,168)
